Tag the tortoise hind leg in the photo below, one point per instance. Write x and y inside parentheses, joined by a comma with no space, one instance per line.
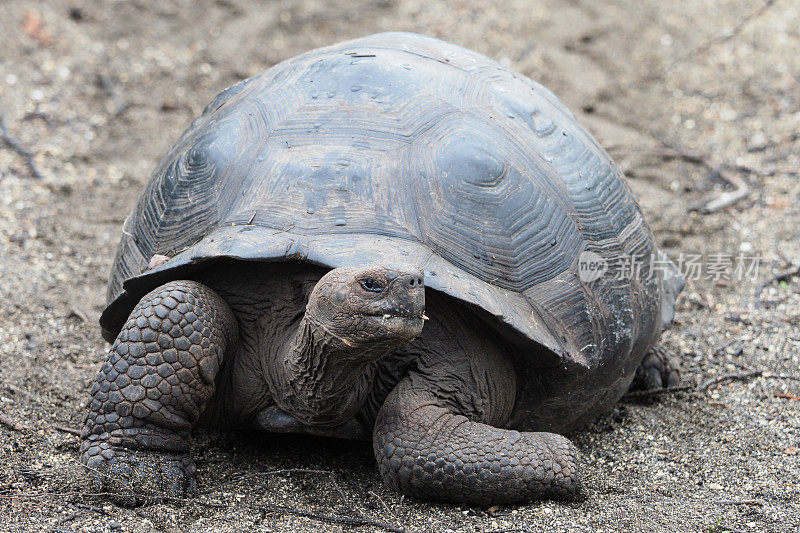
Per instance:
(150,392)
(659,369)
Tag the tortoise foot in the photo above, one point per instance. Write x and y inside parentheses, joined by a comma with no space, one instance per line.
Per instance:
(659,369)
(136,477)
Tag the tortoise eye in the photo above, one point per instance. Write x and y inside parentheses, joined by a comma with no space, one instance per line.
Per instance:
(371,285)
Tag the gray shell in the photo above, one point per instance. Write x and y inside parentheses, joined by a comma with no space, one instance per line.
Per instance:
(403,148)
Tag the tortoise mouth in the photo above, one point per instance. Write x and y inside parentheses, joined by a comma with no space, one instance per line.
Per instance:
(396,325)
(391,315)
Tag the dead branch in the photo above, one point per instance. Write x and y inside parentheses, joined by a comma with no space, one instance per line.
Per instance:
(269,473)
(361,520)
(36,497)
(730,376)
(727,198)
(110,89)
(788,397)
(62,521)
(67,429)
(386,508)
(10,423)
(710,383)
(780,276)
(91,508)
(741,190)
(724,345)
(79,508)
(77,313)
(770,170)
(758,503)
(332,478)
(342,520)
(719,40)
(639,394)
(19,149)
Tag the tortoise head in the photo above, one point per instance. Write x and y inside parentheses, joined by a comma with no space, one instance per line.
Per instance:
(375,307)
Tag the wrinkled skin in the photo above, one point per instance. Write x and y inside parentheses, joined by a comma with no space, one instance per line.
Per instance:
(342,354)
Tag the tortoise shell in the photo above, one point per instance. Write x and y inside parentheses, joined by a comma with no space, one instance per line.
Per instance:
(403,148)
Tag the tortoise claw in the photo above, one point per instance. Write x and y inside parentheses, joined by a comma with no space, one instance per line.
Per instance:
(135,478)
(658,370)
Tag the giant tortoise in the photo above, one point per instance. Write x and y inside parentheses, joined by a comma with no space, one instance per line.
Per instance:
(382,239)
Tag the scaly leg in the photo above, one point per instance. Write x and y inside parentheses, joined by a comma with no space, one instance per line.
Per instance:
(152,388)
(437,433)
(659,369)
(427,451)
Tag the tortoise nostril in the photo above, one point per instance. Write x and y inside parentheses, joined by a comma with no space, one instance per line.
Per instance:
(408,278)
(415,282)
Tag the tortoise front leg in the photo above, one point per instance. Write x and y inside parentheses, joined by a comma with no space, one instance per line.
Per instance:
(151,390)
(425,450)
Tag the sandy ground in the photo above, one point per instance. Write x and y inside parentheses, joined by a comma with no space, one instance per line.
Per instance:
(99,90)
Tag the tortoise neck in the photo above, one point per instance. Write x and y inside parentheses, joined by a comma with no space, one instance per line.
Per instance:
(319,378)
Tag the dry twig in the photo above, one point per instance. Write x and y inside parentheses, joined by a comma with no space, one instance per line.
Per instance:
(721,348)
(710,383)
(110,89)
(639,394)
(10,423)
(67,429)
(270,473)
(758,503)
(62,521)
(18,148)
(724,38)
(77,313)
(788,397)
(727,198)
(730,376)
(780,276)
(386,508)
(361,520)
(342,495)
(92,508)
(353,522)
